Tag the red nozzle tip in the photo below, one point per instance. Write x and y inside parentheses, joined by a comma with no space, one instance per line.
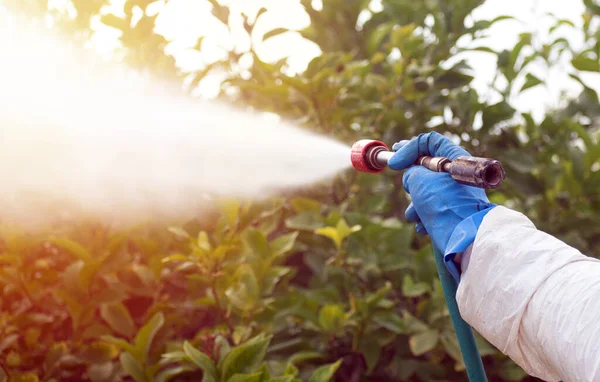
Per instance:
(358,155)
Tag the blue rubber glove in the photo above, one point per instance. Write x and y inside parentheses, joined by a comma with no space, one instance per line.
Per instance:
(449,212)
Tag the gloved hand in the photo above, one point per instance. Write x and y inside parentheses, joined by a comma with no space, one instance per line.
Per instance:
(446,210)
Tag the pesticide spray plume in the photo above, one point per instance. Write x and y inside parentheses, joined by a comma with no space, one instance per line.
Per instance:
(80,138)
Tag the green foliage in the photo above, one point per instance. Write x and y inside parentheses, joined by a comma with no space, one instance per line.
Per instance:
(330,284)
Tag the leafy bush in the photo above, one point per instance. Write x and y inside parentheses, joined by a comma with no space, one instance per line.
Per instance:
(330,285)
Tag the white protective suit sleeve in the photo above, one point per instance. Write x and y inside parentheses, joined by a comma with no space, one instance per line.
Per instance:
(533,297)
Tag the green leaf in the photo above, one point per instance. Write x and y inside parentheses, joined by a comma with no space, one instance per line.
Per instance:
(450,343)
(201,74)
(274,32)
(402,37)
(257,243)
(378,35)
(260,12)
(325,373)
(283,243)
(168,374)
(113,21)
(577,161)
(561,22)
(221,348)
(202,361)
(528,59)
(265,370)
(204,242)
(592,93)
(413,289)
(585,63)
(273,276)
(377,58)
(221,12)
(174,258)
(72,277)
(331,233)
(231,208)
(391,322)
(144,337)
(144,273)
(530,81)
(244,293)
(304,356)
(108,296)
(305,205)
(241,334)
(371,349)
(501,18)
(306,221)
(525,39)
(339,233)
(291,369)
(99,352)
(494,114)
(245,358)
(331,318)
(179,232)
(503,59)
(400,33)
(73,248)
(176,356)
(118,318)
(88,273)
(374,298)
(133,368)
(412,324)
(481,49)
(254,377)
(423,342)
(485,24)
(199,42)
(344,230)
(126,346)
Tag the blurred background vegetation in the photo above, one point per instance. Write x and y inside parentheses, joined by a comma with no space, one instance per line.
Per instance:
(330,283)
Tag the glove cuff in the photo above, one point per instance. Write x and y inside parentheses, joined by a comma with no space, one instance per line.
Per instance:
(463,236)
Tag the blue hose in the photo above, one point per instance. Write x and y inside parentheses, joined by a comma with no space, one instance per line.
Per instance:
(464,333)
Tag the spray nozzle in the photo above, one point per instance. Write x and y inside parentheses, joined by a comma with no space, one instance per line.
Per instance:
(372,156)
(365,156)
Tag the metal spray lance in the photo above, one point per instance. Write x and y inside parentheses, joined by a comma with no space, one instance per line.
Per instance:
(372,156)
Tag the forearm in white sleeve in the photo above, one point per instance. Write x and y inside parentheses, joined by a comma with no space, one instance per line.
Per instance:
(533,297)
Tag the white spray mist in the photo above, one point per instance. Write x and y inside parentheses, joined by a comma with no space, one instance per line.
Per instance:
(77,137)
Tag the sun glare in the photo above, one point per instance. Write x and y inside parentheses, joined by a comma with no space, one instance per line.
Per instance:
(182,22)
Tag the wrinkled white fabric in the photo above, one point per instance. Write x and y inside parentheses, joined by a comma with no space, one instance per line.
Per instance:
(533,297)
